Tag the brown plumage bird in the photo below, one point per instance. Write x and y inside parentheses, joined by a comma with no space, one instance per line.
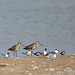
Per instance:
(32,46)
(15,48)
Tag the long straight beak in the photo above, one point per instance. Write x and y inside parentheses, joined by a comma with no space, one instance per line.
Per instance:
(41,44)
(22,45)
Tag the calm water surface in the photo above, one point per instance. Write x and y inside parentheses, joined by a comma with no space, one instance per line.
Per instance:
(52,22)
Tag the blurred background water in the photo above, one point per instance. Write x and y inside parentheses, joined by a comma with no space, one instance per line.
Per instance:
(52,22)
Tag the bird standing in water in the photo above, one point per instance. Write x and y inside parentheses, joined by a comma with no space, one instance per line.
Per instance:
(15,48)
(32,46)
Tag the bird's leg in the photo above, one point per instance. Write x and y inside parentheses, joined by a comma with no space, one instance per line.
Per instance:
(31,53)
(16,54)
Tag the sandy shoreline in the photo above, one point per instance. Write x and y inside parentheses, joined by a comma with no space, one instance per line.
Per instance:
(62,65)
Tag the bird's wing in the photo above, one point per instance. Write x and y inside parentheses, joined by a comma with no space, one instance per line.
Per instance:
(29,47)
(12,48)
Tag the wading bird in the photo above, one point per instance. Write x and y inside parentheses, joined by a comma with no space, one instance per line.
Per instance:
(15,48)
(32,46)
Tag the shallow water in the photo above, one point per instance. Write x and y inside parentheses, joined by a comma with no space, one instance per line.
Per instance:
(52,22)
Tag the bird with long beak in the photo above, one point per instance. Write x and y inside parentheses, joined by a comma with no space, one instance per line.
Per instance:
(15,48)
(32,46)
(27,53)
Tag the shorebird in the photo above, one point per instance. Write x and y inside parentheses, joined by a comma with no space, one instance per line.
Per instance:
(63,52)
(5,55)
(37,53)
(27,53)
(56,51)
(44,52)
(15,48)
(51,55)
(32,46)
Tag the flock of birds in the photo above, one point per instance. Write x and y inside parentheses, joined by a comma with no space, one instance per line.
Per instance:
(31,47)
